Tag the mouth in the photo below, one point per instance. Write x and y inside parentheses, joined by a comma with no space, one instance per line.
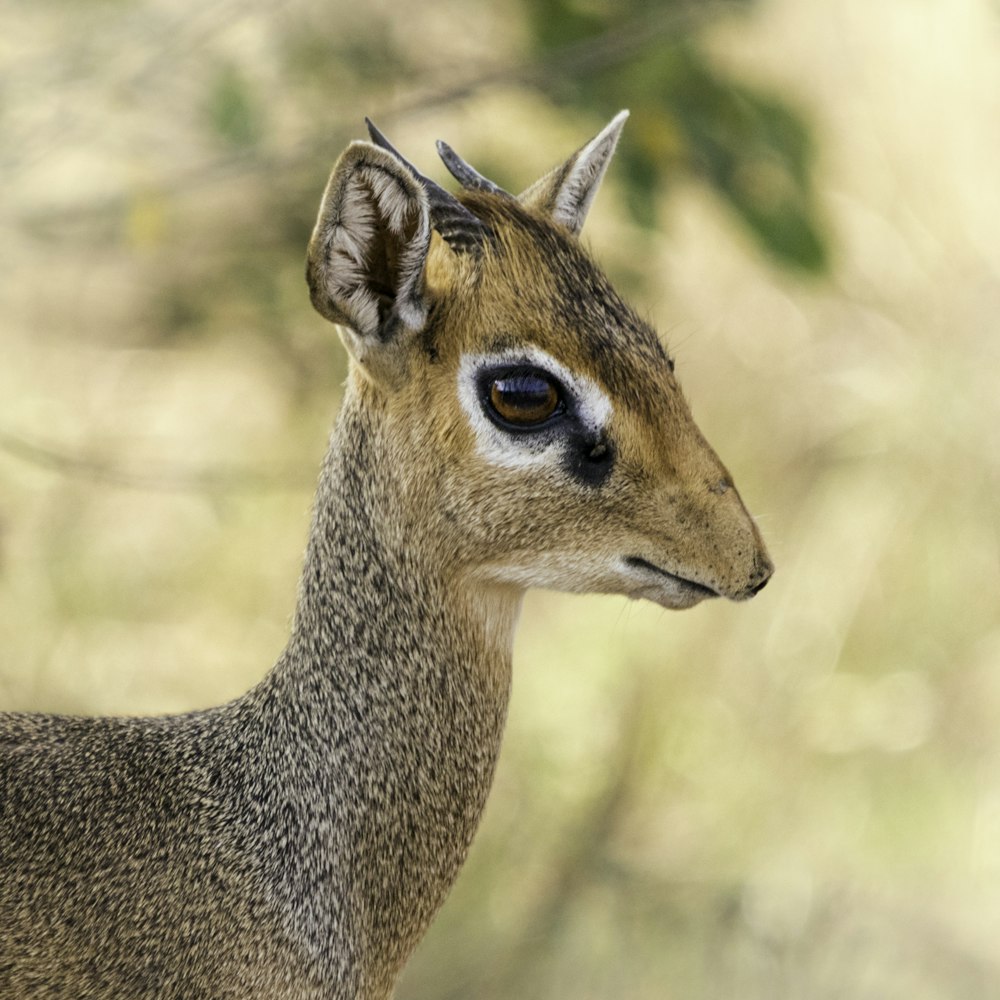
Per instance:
(688,589)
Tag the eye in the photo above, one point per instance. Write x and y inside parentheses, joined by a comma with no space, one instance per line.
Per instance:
(524,398)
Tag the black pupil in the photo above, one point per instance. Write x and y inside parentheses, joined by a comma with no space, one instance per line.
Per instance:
(524,398)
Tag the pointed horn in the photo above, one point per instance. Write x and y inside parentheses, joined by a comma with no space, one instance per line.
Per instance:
(465,174)
(458,227)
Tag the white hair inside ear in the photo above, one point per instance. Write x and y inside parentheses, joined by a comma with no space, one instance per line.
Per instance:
(370,243)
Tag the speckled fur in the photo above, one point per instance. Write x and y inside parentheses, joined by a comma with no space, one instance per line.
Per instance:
(296,842)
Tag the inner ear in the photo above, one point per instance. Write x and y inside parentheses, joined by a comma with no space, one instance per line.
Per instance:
(368,250)
(385,264)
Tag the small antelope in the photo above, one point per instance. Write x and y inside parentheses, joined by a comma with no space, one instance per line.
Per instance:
(508,422)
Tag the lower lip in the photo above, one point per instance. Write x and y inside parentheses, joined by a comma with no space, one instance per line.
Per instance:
(687,585)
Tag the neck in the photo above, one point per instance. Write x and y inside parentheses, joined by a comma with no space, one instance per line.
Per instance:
(395,684)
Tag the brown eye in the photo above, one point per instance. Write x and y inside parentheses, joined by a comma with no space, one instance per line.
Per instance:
(524,399)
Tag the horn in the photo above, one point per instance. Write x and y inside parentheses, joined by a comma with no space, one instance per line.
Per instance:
(465,174)
(458,227)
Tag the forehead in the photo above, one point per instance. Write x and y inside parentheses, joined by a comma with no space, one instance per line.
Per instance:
(536,284)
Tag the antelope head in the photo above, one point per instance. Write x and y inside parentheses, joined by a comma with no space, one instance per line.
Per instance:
(538,429)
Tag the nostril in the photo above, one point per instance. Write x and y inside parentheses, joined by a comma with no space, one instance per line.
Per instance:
(765,570)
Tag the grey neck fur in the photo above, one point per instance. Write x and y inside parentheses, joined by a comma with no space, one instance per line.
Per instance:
(398,716)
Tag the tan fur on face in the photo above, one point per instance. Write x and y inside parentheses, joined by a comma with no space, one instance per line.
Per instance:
(668,500)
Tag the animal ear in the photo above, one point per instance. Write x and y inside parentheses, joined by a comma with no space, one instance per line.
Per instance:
(366,258)
(566,193)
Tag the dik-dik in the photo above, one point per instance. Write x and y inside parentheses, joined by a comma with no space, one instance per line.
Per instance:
(508,422)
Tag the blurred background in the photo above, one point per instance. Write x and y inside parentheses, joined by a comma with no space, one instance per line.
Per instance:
(795,798)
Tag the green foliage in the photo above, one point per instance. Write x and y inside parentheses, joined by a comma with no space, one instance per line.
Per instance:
(232,109)
(689,117)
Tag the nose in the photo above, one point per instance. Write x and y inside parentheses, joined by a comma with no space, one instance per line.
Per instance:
(764,572)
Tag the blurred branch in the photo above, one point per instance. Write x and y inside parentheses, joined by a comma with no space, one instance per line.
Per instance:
(571,61)
(751,147)
(167,480)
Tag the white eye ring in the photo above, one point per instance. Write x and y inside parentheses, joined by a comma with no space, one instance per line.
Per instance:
(514,448)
